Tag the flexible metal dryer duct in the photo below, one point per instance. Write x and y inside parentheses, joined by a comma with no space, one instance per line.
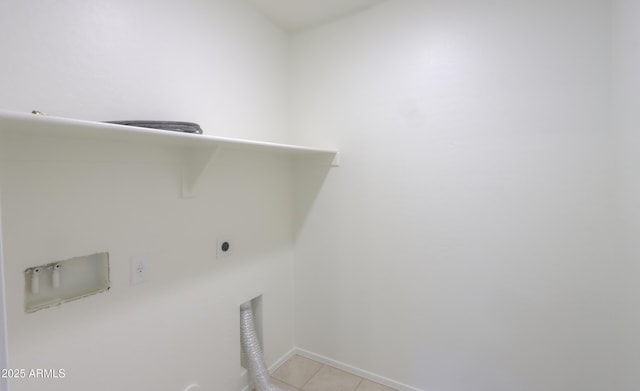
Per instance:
(258,373)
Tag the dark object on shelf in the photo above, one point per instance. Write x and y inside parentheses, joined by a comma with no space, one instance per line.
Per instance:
(184,127)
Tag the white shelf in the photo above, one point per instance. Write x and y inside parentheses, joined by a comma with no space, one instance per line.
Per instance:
(200,150)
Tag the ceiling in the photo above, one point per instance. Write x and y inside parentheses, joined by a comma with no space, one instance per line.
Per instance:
(298,15)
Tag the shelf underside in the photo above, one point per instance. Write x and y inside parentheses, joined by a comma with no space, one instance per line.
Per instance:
(199,150)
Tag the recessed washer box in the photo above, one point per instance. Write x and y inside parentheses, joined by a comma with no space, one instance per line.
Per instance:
(65,280)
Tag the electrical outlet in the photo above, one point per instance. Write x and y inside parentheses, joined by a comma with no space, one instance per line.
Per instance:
(224,247)
(139,269)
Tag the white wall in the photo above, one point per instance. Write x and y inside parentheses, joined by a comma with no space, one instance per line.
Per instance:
(183,325)
(626,56)
(468,240)
(218,63)
(226,67)
(3,316)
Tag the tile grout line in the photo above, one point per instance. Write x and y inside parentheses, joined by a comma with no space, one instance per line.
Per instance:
(382,381)
(359,383)
(290,385)
(312,376)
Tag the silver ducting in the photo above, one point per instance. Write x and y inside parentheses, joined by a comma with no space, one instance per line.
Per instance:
(258,373)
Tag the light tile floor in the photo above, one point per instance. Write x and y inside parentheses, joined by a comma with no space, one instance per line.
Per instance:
(302,374)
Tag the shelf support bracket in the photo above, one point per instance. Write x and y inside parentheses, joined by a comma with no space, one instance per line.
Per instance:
(336,160)
(196,160)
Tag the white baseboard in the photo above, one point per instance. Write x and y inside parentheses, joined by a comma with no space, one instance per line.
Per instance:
(356,371)
(334,363)
(282,359)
